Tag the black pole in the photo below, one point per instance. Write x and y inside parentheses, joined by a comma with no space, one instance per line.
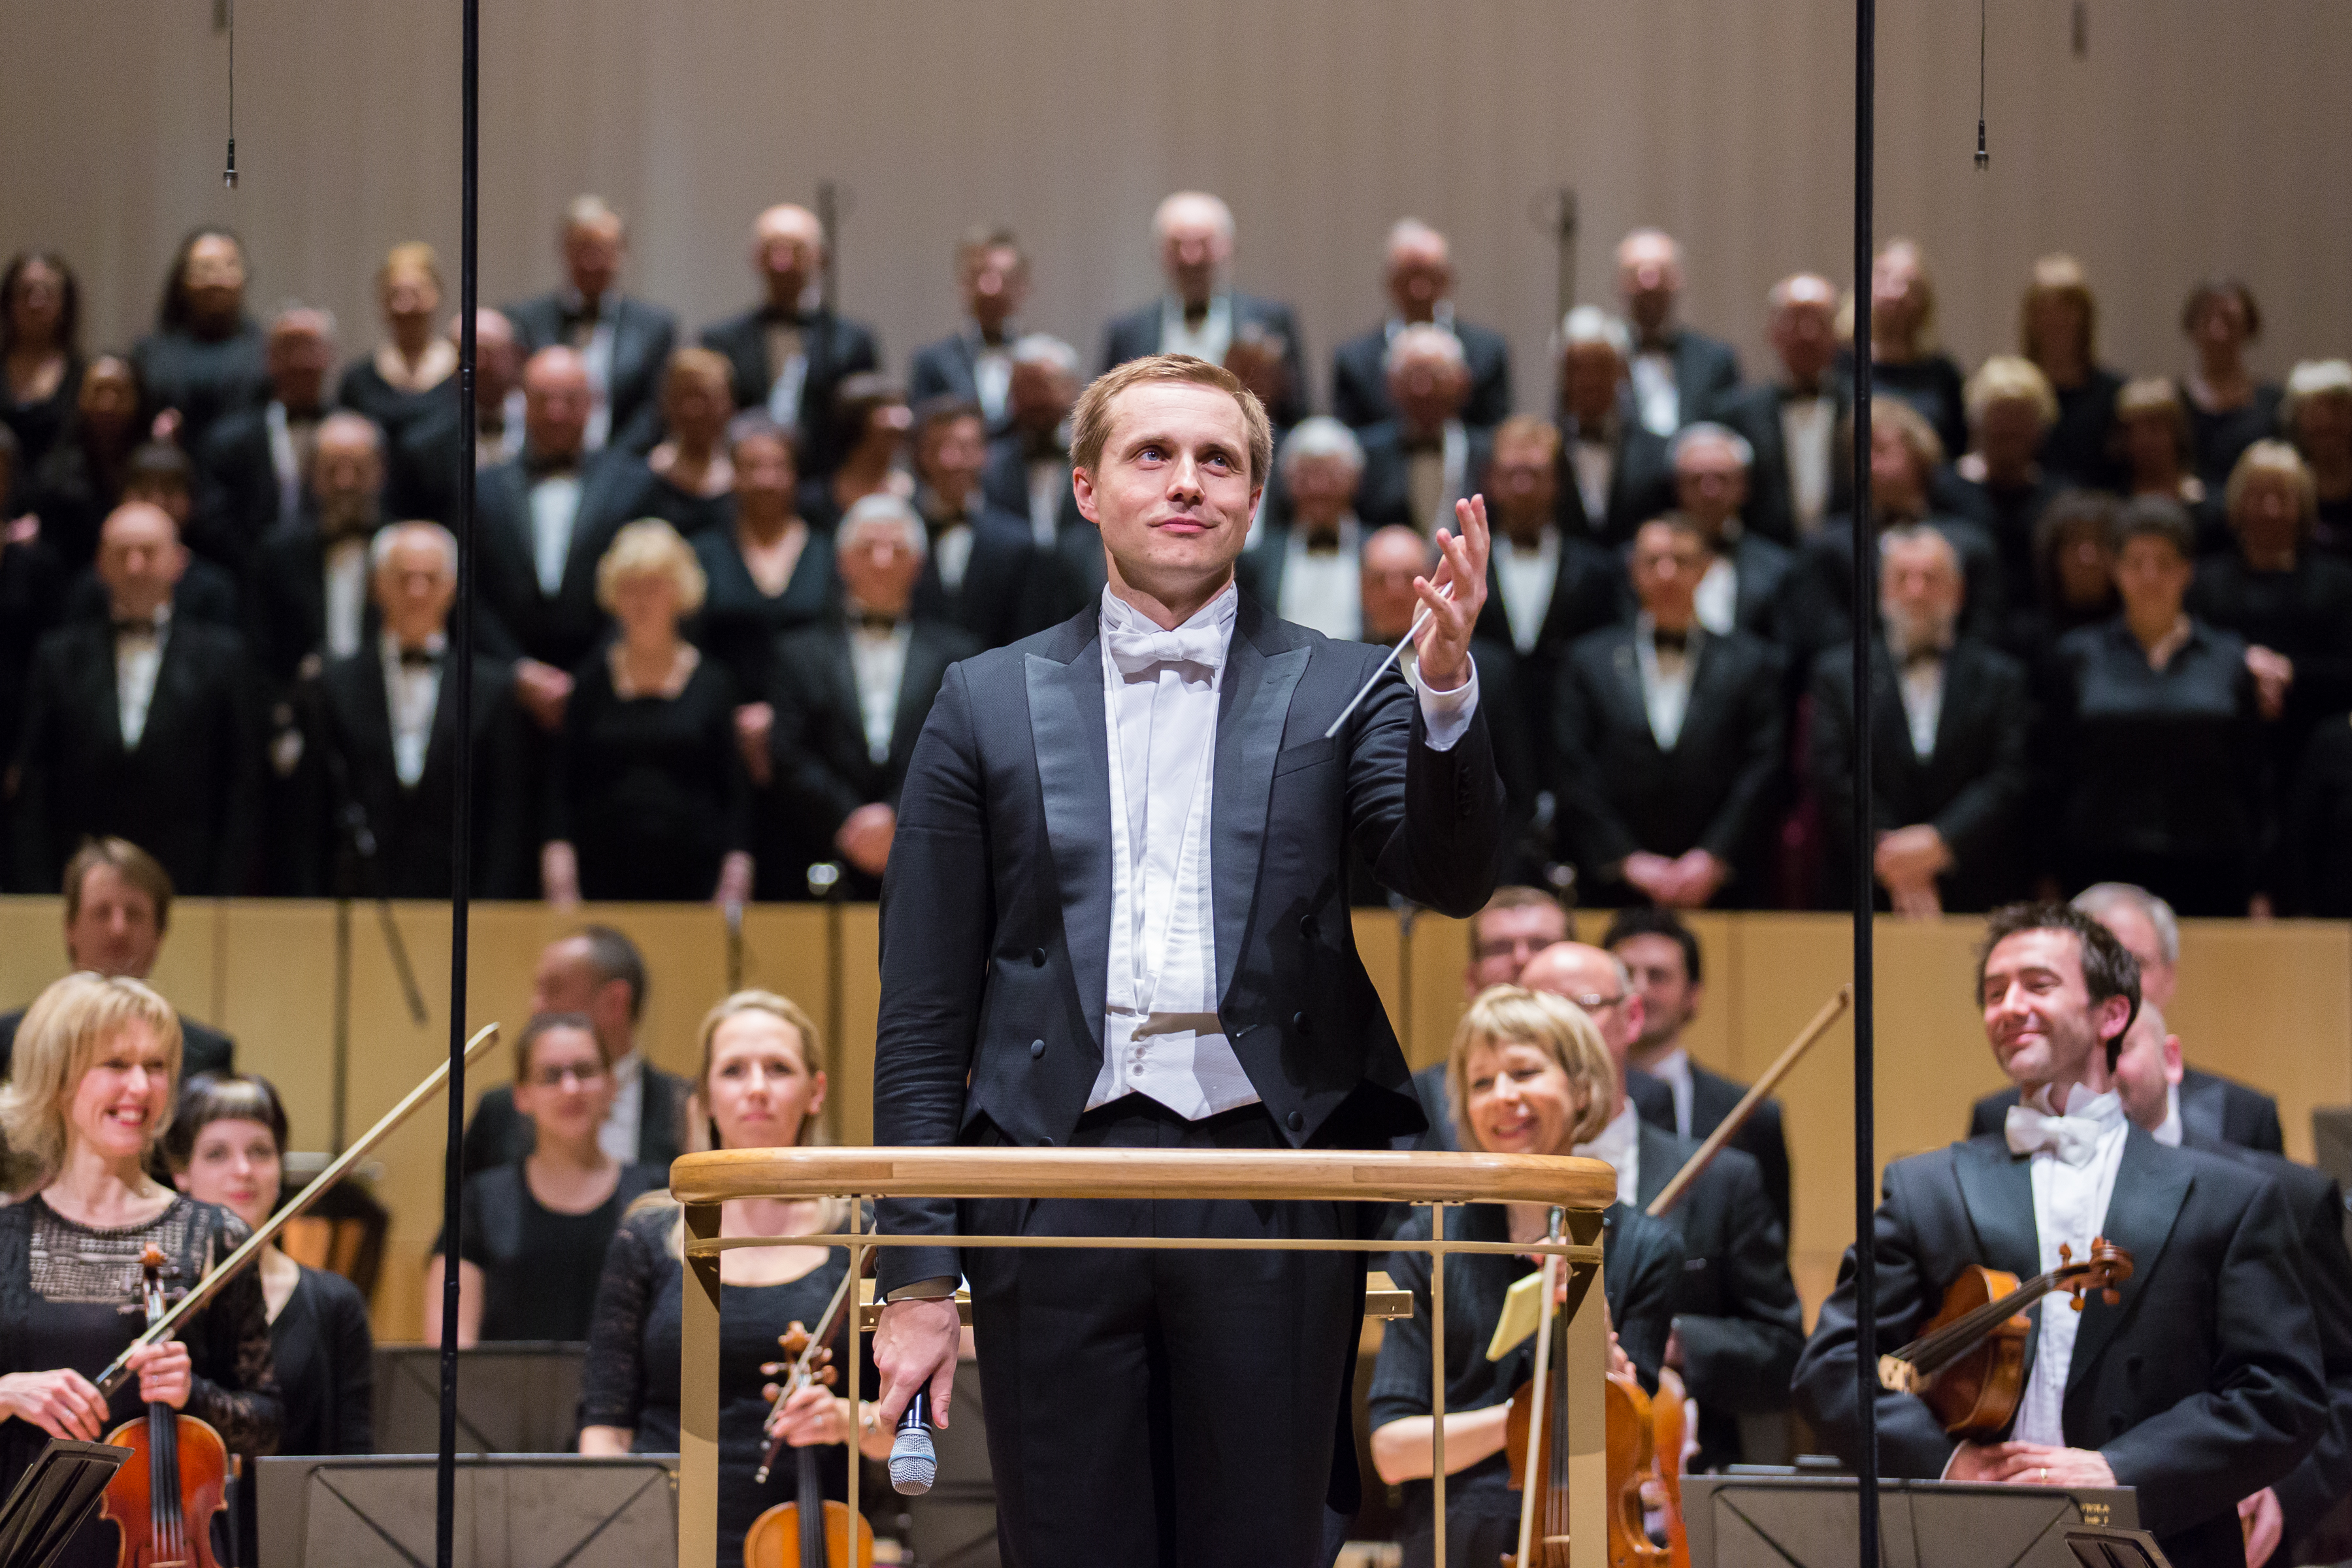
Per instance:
(458,683)
(1866,627)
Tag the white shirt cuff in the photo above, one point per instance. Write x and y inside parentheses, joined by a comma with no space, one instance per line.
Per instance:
(1446,714)
(937,1288)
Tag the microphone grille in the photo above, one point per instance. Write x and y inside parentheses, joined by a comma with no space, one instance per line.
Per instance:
(913,1464)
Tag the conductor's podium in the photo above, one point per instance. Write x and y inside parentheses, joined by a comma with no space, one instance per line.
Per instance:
(1578,1188)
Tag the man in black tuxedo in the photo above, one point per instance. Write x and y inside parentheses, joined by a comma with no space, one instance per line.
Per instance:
(2209,1105)
(2203,1385)
(254,464)
(309,599)
(1046,1010)
(161,475)
(1661,955)
(1949,773)
(1614,468)
(1737,1326)
(421,476)
(380,743)
(851,695)
(1678,375)
(1420,279)
(789,352)
(544,520)
(1028,471)
(1667,743)
(1419,462)
(1747,575)
(1792,421)
(980,572)
(1203,315)
(118,907)
(1310,573)
(598,973)
(143,724)
(623,341)
(975,365)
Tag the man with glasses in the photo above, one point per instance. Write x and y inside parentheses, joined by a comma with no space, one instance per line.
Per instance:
(1737,1326)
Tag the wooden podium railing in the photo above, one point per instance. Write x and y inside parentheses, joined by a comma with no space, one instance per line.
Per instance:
(1580,1188)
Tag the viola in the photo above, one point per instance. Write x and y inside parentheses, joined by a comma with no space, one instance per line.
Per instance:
(164,1497)
(1669,1423)
(811,1532)
(1969,1363)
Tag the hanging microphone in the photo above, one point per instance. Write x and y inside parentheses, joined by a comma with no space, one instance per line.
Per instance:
(914,1465)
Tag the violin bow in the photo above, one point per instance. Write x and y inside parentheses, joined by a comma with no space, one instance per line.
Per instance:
(799,1374)
(1670,1193)
(1535,1413)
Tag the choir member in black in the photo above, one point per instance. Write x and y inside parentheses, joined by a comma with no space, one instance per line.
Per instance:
(1792,422)
(2229,410)
(1418,276)
(1310,571)
(975,365)
(160,474)
(1663,960)
(1746,577)
(1529,1075)
(380,741)
(1667,743)
(2155,732)
(2156,454)
(2316,415)
(307,596)
(981,570)
(1424,457)
(142,725)
(764,1088)
(90,1097)
(40,352)
(546,519)
(423,480)
(622,341)
(647,797)
(2001,483)
(1202,314)
(406,377)
(1950,775)
(118,906)
(851,694)
(693,487)
(1906,362)
(1738,1327)
(2073,575)
(1613,468)
(81,478)
(2315,839)
(789,353)
(871,424)
(255,462)
(1679,375)
(204,360)
(2203,1385)
(2058,330)
(227,1146)
(1028,469)
(533,1234)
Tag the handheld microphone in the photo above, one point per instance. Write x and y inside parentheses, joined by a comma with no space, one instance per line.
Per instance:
(914,1466)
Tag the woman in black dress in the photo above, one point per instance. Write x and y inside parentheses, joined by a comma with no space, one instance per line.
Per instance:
(407,376)
(40,352)
(647,796)
(227,1146)
(81,478)
(535,1231)
(768,571)
(2316,415)
(90,1094)
(205,357)
(2229,410)
(1905,360)
(763,1088)
(694,482)
(871,424)
(1528,1074)
(2057,328)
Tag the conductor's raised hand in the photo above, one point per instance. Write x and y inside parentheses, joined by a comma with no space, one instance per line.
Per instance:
(1445,646)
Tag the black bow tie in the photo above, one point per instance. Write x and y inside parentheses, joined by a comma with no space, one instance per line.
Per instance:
(1932,653)
(1426,445)
(780,316)
(418,658)
(133,625)
(876,621)
(1800,393)
(1670,642)
(547,467)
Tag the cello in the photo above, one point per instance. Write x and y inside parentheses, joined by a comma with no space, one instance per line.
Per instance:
(811,1532)
(164,1497)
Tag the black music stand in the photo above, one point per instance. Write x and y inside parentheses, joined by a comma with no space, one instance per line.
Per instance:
(540,1510)
(53,1498)
(1777,1521)
(2096,1548)
(520,1396)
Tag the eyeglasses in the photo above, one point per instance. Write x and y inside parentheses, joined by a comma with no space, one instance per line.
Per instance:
(554,1078)
(1596,1003)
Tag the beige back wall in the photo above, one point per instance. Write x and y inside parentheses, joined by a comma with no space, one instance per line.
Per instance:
(2191,137)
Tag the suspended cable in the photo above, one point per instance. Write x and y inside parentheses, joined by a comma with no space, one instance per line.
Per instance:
(228,171)
(1984,158)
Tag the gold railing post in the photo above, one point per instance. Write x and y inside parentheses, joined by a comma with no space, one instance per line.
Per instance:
(1588,1427)
(1437,1381)
(697,1395)
(854,1373)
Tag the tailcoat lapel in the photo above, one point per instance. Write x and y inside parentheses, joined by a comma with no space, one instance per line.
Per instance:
(1254,704)
(2150,1187)
(1067,729)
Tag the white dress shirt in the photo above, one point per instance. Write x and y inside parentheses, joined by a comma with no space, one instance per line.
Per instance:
(1665,679)
(878,660)
(1805,429)
(1654,392)
(1620,1143)
(138,658)
(991,375)
(2168,1132)
(1324,589)
(1049,481)
(554,508)
(1435,480)
(346,589)
(1921,682)
(596,354)
(787,351)
(412,696)
(1209,340)
(291,443)
(491,448)
(2070,1207)
(1716,599)
(618,1136)
(1674,1069)
(1595,464)
(1526,578)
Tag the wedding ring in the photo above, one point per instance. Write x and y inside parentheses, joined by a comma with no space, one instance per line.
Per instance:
(2045,1475)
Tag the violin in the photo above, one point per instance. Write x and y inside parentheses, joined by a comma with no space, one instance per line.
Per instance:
(1969,1363)
(810,1531)
(1669,1423)
(164,1497)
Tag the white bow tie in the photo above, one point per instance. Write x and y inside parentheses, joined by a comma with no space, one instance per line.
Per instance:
(2073,1139)
(1137,649)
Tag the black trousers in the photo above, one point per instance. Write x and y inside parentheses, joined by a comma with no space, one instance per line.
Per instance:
(1169,1407)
